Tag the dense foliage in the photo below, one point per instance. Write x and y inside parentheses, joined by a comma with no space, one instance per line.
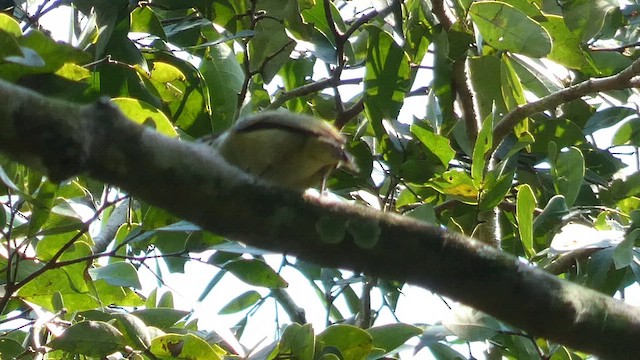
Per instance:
(433,98)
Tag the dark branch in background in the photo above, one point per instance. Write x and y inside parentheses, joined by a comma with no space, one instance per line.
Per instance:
(440,12)
(192,182)
(365,316)
(40,12)
(246,65)
(566,261)
(343,115)
(295,313)
(307,89)
(620,49)
(365,19)
(332,26)
(349,113)
(301,91)
(336,73)
(421,91)
(465,97)
(627,78)
(461,88)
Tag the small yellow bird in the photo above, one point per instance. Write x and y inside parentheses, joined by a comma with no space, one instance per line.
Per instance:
(287,149)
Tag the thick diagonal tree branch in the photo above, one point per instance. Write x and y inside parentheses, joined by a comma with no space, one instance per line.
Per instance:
(627,78)
(189,180)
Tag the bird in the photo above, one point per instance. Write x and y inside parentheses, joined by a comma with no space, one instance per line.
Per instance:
(286,149)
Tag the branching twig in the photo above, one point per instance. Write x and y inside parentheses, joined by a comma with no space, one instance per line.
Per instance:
(40,12)
(365,19)
(349,113)
(11,287)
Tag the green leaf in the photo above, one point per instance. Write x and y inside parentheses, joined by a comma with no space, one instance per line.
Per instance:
(42,55)
(511,85)
(119,273)
(23,269)
(567,48)
(623,253)
(608,118)
(586,17)
(255,272)
(443,79)
(567,172)
(144,20)
(483,144)
(269,49)
(315,15)
(189,346)
(444,352)
(497,184)
(167,80)
(296,73)
(224,78)
(298,342)
(90,338)
(71,282)
(365,232)
(439,145)
(385,60)
(190,109)
(145,114)
(561,131)
(394,18)
(472,325)
(318,37)
(424,212)
(161,318)
(552,216)
(602,274)
(418,33)
(352,342)
(608,63)
(42,205)
(458,185)
(484,75)
(10,25)
(628,133)
(3,217)
(9,47)
(151,300)
(533,79)
(392,336)
(507,28)
(525,207)
(134,330)
(51,244)
(62,219)
(9,348)
(241,302)
(166,300)
(6,180)
(331,229)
